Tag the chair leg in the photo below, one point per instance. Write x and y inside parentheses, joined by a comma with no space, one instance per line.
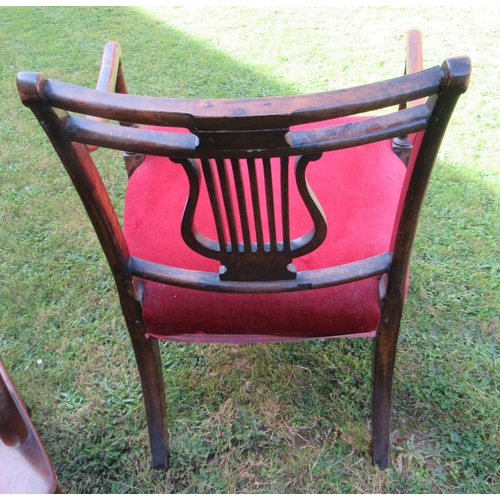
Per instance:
(383,370)
(147,353)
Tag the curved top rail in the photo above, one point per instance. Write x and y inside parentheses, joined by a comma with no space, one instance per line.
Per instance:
(243,114)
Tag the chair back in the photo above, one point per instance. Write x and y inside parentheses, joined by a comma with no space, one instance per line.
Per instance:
(243,151)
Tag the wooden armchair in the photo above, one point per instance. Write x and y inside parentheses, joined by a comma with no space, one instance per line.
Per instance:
(257,220)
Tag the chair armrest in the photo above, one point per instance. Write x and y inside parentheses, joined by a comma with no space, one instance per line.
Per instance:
(111,74)
(414,63)
(111,78)
(414,60)
(413,52)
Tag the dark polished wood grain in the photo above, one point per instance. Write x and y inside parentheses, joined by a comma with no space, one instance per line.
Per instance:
(248,260)
(111,78)
(312,141)
(243,114)
(305,280)
(456,76)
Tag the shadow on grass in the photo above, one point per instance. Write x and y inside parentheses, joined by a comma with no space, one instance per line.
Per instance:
(66,44)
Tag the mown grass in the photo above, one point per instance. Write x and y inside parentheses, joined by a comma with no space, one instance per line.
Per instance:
(265,418)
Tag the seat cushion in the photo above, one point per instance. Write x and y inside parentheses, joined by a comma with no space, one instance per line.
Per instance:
(359,190)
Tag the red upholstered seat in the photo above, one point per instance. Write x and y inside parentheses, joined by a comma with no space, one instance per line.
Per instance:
(359,190)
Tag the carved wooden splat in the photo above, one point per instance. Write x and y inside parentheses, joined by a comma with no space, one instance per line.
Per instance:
(252,223)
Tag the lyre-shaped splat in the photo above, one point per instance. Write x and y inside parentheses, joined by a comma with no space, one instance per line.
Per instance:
(253,240)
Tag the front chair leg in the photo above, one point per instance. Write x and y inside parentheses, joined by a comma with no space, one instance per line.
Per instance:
(149,364)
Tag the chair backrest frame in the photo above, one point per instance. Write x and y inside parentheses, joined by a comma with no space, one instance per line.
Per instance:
(231,130)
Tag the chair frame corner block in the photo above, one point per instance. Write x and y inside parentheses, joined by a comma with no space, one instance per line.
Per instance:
(426,100)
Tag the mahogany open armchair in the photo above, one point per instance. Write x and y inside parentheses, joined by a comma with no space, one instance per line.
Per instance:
(257,220)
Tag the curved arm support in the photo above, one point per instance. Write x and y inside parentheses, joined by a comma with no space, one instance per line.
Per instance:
(111,78)
(403,145)
(414,59)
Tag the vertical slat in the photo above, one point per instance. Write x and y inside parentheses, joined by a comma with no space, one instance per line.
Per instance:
(228,203)
(214,202)
(242,206)
(268,180)
(285,203)
(254,188)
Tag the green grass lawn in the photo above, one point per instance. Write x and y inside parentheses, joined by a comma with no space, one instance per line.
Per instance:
(281,418)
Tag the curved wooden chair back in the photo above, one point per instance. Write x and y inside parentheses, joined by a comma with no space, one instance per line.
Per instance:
(229,132)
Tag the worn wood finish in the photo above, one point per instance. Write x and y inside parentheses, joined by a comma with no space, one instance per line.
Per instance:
(305,280)
(227,137)
(243,114)
(248,260)
(313,141)
(111,78)
(24,464)
(88,183)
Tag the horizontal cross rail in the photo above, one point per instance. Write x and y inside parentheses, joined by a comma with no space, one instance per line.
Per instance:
(312,141)
(306,280)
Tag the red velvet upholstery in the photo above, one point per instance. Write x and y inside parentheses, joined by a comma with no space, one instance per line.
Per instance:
(359,190)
